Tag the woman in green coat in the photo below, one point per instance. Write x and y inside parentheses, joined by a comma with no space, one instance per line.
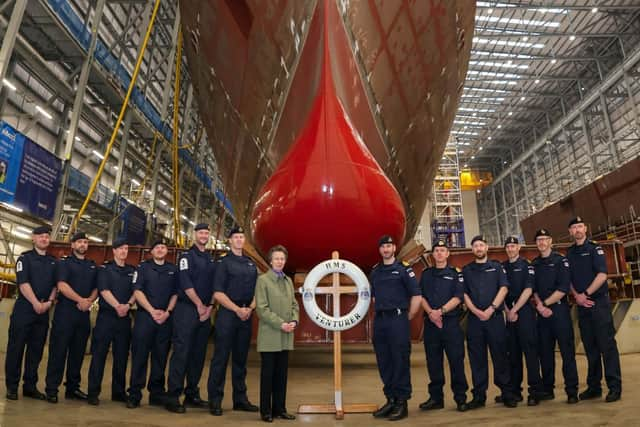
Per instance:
(277,309)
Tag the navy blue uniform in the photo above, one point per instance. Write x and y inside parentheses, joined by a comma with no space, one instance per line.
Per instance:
(27,328)
(482,282)
(71,327)
(522,335)
(190,335)
(392,286)
(158,282)
(111,329)
(439,285)
(552,274)
(596,323)
(236,276)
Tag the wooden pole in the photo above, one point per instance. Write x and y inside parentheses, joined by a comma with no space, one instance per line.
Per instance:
(337,345)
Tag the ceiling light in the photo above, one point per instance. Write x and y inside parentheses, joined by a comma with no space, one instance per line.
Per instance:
(43,112)
(466,165)
(499,126)
(11,207)
(512,21)
(553,61)
(98,155)
(489,138)
(594,10)
(163,202)
(572,38)
(8,84)
(505,162)
(537,81)
(510,113)
(473,157)
(21,235)
(95,239)
(135,182)
(522,98)
(525,38)
(115,167)
(489,11)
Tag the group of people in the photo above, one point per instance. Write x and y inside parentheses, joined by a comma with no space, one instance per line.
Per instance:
(174,305)
(515,308)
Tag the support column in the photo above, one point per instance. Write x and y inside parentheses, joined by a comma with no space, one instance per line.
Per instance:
(495,211)
(10,35)
(590,149)
(607,121)
(76,112)
(632,100)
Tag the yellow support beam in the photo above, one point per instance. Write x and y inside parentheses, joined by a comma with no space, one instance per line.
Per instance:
(177,236)
(114,134)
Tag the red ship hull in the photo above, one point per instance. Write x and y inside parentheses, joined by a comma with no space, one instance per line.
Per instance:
(260,76)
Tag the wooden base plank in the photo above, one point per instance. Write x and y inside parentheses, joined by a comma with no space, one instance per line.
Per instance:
(354,408)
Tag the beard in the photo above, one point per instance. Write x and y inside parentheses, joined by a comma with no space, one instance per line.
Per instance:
(479,255)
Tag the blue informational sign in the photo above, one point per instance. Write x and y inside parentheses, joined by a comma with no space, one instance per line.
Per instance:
(134,221)
(38,181)
(11,144)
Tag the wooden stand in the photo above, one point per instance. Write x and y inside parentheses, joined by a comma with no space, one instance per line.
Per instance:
(337,407)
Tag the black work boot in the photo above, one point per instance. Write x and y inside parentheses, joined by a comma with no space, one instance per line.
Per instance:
(400,411)
(385,409)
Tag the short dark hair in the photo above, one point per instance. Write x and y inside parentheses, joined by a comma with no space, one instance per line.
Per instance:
(278,248)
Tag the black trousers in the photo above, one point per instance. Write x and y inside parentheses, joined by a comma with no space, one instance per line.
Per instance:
(69,334)
(232,337)
(558,328)
(27,330)
(148,338)
(189,340)
(598,337)
(523,338)
(392,344)
(449,339)
(115,332)
(490,334)
(273,382)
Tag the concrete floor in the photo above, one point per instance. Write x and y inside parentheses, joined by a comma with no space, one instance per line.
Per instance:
(311,381)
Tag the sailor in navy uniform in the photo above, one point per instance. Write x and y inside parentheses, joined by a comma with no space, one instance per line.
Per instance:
(522,332)
(442,295)
(113,325)
(71,326)
(36,279)
(155,290)
(588,268)
(552,281)
(191,324)
(234,288)
(396,299)
(485,287)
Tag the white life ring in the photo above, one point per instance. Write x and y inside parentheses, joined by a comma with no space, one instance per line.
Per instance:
(321,318)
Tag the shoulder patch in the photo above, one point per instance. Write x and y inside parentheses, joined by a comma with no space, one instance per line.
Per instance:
(184,264)
(599,250)
(405,263)
(135,276)
(19,266)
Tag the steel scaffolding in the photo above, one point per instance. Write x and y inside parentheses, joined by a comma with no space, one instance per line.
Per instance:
(447,222)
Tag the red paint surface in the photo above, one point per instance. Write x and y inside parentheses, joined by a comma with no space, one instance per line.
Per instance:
(328,193)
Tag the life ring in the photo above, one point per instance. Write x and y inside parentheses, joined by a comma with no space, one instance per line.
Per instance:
(321,318)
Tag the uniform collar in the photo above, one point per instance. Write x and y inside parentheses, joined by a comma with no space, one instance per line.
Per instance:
(197,251)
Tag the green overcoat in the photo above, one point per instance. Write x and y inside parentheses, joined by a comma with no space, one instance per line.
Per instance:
(275,304)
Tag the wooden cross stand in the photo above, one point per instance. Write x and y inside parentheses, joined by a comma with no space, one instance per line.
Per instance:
(337,408)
